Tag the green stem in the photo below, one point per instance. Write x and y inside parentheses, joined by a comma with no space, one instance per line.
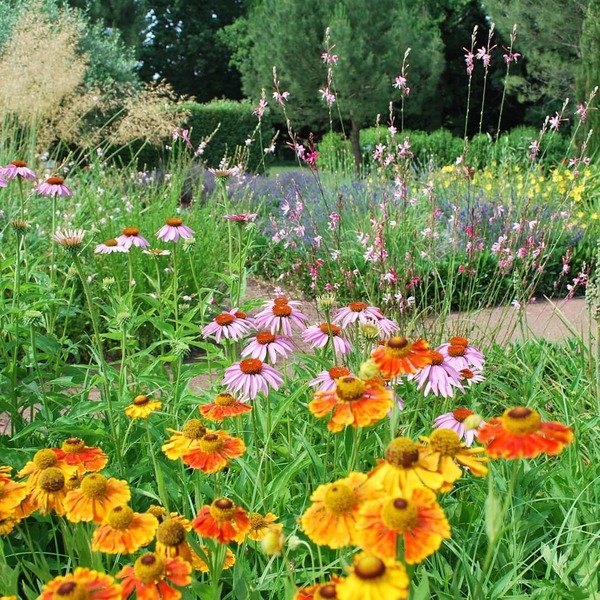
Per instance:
(15,353)
(39,376)
(162,490)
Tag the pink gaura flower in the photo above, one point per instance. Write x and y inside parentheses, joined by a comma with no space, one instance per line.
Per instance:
(326,380)
(228,325)
(109,246)
(460,354)
(356,311)
(17,168)
(280,316)
(454,420)
(241,218)
(173,229)
(251,376)
(265,343)
(53,186)
(439,377)
(131,237)
(318,337)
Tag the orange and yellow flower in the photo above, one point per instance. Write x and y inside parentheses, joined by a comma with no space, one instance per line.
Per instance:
(319,591)
(521,433)
(418,520)
(259,526)
(354,401)
(124,531)
(96,496)
(229,560)
(373,578)
(214,451)
(86,458)
(48,495)
(331,519)
(224,405)
(151,575)
(445,446)
(7,524)
(11,495)
(82,583)
(171,542)
(406,467)
(185,440)
(43,459)
(222,520)
(399,357)
(142,407)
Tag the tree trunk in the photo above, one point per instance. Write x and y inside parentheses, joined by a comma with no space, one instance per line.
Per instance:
(356,150)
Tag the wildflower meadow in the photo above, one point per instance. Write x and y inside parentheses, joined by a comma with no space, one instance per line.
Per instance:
(282,383)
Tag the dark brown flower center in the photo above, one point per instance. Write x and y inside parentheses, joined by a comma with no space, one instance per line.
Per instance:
(141,400)
(170,533)
(329,329)
(55,180)
(282,310)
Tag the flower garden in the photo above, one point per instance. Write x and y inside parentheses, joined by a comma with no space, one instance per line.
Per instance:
(166,434)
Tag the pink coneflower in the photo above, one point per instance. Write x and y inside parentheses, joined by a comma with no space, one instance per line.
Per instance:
(241,218)
(244,318)
(265,343)
(326,380)
(460,354)
(3,182)
(53,186)
(131,237)
(108,247)
(471,376)
(280,317)
(173,229)
(70,239)
(388,327)
(251,376)
(17,168)
(356,311)
(318,337)
(438,377)
(228,326)
(454,420)
(281,301)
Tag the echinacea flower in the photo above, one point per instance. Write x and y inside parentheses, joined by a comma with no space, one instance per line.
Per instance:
(521,433)
(417,519)
(356,312)
(259,526)
(214,451)
(439,377)
(461,355)
(331,519)
(227,325)
(82,583)
(156,252)
(96,496)
(455,420)
(269,343)
(86,458)
(150,577)
(251,376)
(186,439)
(227,564)
(142,407)
(222,520)
(69,239)
(327,380)
(354,402)
(173,229)
(241,218)
(471,376)
(43,459)
(53,186)
(109,247)
(405,468)
(17,168)
(399,357)
(280,317)
(131,237)
(124,531)
(224,405)
(388,327)
(171,541)
(318,336)
(373,578)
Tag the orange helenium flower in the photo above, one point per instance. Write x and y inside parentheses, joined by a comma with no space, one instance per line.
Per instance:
(405,468)
(171,542)
(82,583)
(399,357)
(142,407)
(214,451)
(224,405)
(124,531)
(95,498)
(43,459)
(521,433)
(259,526)
(373,578)
(48,495)
(419,520)
(331,520)
(445,446)
(11,495)
(229,560)
(148,577)
(185,440)
(222,520)
(318,591)
(86,458)
(354,402)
